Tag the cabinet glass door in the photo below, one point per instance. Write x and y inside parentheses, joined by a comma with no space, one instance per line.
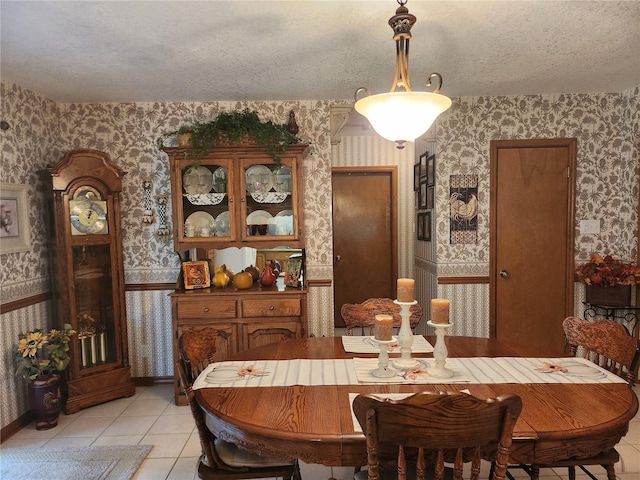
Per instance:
(94,304)
(269,209)
(205,203)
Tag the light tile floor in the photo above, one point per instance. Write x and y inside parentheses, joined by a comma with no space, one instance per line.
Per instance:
(151,418)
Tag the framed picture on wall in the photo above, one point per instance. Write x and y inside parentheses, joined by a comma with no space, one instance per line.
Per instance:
(423,165)
(422,195)
(431,197)
(416,177)
(431,170)
(14,220)
(424,226)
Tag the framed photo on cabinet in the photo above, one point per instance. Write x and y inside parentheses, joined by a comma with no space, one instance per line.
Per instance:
(424,226)
(196,274)
(14,220)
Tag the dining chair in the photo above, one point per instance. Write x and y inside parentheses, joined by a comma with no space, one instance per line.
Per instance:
(428,429)
(362,315)
(606,343)
(221,460)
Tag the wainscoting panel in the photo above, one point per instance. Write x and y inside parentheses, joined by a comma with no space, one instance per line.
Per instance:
(149,331)
(14,389)
(320,310)
(469,310)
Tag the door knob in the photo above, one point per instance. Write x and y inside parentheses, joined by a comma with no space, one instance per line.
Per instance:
(504,274)
(338,258)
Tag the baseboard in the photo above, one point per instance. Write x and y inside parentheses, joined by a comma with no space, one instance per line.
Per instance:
(150,381)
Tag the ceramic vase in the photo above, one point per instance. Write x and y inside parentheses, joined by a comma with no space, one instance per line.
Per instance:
(45,401)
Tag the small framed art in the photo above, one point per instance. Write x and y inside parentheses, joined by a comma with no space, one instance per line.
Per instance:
(416,177)
(196,274)
(14,219)
(422,195)
(424,226)
(431,170)
(431,197)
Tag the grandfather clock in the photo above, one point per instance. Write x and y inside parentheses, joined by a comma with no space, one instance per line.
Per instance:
(88,277)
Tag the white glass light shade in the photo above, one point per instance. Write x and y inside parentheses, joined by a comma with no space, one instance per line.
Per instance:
(402,116)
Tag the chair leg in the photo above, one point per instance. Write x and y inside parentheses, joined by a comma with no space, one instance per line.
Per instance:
(611,472)
(572,473)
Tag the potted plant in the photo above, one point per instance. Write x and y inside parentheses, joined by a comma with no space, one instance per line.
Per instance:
(608,280)
(233,128)
(42,358)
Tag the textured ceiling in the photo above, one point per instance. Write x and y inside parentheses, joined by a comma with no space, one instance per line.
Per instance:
(101,51)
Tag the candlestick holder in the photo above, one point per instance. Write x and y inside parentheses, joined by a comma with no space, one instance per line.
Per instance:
(405,338)
(440,351)
(383,370)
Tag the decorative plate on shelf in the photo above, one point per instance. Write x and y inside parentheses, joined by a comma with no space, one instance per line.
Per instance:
(259,179)
(205,198)
(259,217)
(222,225)
(220,172)
(269,197)
(197,180)
(200,220)
(283,223)
(282,179)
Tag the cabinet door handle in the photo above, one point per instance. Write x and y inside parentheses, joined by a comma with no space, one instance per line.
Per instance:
(504,274)
(272,308)
(206,310)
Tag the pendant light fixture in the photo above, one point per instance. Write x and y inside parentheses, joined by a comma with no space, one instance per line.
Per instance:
(402,116)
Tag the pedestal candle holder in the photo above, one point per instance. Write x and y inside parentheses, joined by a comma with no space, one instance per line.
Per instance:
(440,351)
(405,338)
(383,370)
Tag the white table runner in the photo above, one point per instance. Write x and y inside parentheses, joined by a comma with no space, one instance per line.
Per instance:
(484,370)
(366,344)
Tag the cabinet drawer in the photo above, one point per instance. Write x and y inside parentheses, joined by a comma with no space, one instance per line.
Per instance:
(281,307)
(205,308)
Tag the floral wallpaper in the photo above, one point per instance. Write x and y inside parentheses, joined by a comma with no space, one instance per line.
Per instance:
(607,165)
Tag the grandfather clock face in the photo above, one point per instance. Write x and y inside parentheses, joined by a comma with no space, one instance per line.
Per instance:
(88,212)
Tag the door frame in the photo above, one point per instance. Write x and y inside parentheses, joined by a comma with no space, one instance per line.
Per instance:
(572,145)
(392,170)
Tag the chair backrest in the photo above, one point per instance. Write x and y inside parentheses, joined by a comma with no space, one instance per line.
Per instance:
(604,342)
(443,427)
(196,349)
(362,315)
(207,439)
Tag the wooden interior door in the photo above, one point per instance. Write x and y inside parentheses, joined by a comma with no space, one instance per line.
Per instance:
(365,254)
(532,236)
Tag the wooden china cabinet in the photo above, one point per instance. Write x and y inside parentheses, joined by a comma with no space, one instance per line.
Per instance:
(88,277)
(237,196)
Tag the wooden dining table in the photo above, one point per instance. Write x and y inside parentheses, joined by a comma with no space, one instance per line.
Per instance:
(315,423)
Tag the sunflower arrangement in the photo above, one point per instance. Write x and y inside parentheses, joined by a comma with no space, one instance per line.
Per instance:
(43,354)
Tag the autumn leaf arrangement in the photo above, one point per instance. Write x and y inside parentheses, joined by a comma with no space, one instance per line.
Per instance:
(608,271)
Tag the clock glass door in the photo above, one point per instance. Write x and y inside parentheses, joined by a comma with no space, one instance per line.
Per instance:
(94,305)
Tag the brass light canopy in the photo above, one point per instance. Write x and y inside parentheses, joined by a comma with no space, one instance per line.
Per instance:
(402,115)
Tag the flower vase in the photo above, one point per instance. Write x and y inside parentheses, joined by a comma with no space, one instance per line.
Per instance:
(45,401)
